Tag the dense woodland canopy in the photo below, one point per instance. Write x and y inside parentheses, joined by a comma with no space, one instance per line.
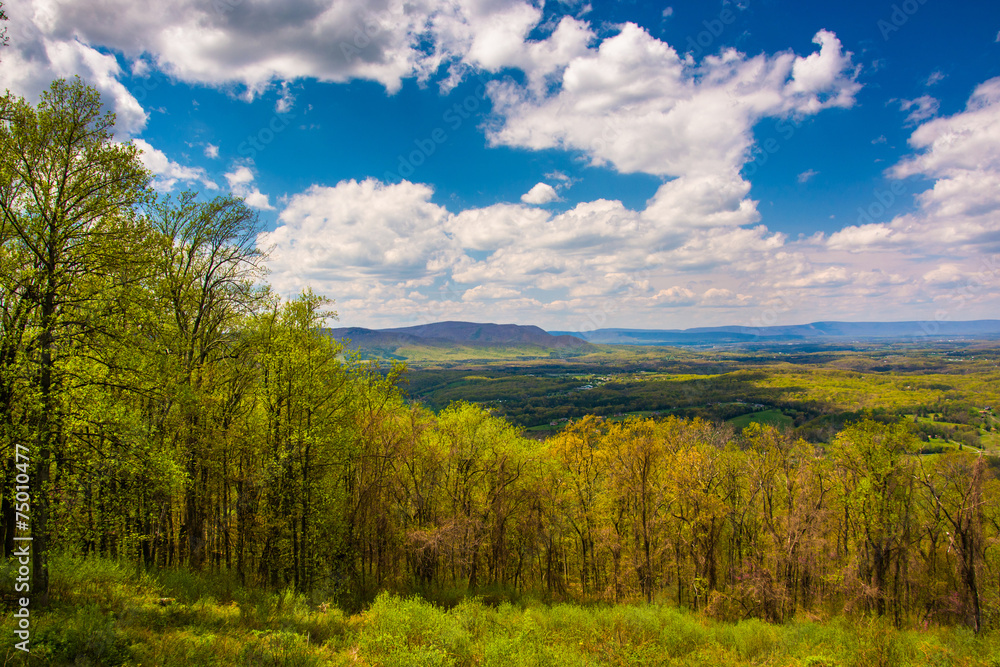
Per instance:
(179,414)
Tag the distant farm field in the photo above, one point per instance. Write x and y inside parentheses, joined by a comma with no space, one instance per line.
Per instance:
(772,417)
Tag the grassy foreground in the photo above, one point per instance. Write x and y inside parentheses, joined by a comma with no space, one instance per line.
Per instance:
(108,614)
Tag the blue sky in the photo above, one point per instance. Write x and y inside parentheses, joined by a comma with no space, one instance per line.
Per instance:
(570,164)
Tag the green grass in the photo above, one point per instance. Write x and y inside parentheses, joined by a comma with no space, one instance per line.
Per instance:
(104,613)
(772,417)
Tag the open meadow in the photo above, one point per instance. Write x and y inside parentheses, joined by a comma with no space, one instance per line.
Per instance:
(106,613)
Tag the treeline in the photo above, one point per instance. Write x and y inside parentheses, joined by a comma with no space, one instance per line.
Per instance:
(536,400)
(178,414)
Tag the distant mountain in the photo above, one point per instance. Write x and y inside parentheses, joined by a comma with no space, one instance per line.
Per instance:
(473,338)
(503,334)
(815,330)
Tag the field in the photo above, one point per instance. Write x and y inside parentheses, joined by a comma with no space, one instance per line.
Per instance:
(949,391)
(105,613)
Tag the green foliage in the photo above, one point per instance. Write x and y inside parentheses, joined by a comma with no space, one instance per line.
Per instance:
(86,636)
(402,631)
(879,645)
(129,626)
(217,472)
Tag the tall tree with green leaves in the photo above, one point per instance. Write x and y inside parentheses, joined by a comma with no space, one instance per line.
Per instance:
(876,486)
(208,266)
(67,199)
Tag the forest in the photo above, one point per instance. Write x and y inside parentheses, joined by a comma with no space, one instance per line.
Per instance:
(183,429)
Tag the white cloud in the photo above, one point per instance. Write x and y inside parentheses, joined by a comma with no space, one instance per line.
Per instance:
(635,104)
(34,57)
(724,297)
(963,142)
(946,275)
(937,76)
(389,255)
(351,231)
(806,175)
(241,182)
(140,67)
(168,173)
(616,95)
(489,293)
(860,238)
(962,153)
(264,42)
(703,200)
(541,193)
(675,296)
(285,100)
(494,227)
(831,276)
(924,107)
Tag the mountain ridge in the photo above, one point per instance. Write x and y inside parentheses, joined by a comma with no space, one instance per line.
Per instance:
(477,335)
(792,332)
(451,332)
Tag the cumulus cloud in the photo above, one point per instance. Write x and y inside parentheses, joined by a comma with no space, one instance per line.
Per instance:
(962,154)
(860,238)
(946,275)
(389,254)
(542,193)
(674,296)
(241,182)
(266,42)
(168,173)
(634,103)
(494,227)
(358,230)
(597,252)
(724,297)
(806,175)
(615,96)
(964,142)
(35,56)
